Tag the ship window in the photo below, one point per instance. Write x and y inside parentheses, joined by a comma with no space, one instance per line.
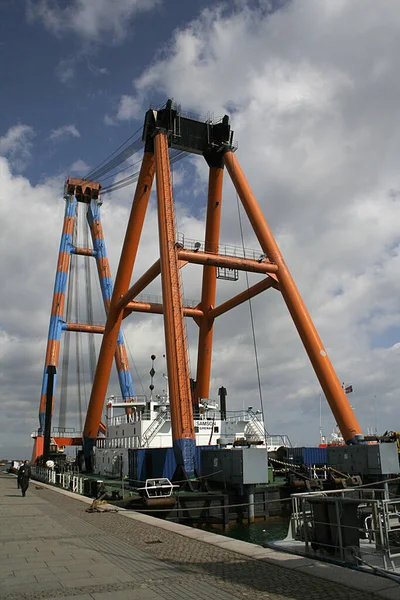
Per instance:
(134,431)
(196,430)
(216,429)
(123,433)
(103,458)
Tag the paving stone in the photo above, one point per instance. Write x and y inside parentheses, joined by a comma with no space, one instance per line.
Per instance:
(88,581)
(47,577)
(137,594)
(79,574)
(74,597)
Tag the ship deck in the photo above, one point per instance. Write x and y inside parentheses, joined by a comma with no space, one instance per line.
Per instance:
(51,547)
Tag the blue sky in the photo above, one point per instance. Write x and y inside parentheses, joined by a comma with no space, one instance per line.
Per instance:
(312,87)
(49,81)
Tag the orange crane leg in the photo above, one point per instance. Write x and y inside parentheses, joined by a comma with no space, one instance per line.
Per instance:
(323,368)
(209,287)
(175,336)
(114,317)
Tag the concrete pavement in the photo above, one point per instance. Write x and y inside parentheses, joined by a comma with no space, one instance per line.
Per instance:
(50,547)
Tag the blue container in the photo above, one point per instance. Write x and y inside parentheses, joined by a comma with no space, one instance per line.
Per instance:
(145,463)
(135,461)
(308,456)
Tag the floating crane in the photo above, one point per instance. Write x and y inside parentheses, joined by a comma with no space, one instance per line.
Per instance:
(168,130)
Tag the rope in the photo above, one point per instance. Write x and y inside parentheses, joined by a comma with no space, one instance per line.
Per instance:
(203,508)
(252,325)
(67,335)
(93,172)
(117,185)
(77,346)
(131,361)
(120,171)
(89,301)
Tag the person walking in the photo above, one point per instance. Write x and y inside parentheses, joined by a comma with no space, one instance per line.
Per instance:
(24,474)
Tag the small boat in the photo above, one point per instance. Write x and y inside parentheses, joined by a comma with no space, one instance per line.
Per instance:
(158,492)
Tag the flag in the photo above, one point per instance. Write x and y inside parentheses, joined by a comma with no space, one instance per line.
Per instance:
(348,389)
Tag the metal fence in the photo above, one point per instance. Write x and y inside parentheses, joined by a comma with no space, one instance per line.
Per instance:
(68,480)
(356,526)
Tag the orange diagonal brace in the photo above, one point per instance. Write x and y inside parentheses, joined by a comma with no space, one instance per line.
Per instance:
(140,284)
(324,370)
(259,287)
(122,281)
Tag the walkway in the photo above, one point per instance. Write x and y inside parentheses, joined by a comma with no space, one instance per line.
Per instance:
(50,547)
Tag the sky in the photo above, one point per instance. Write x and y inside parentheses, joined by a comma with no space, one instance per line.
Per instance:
(311,87)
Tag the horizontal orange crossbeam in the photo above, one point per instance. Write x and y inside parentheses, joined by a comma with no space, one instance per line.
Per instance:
(68,441)
(82,327)
(152,307)
(231,262)
(83,251)
(259,287)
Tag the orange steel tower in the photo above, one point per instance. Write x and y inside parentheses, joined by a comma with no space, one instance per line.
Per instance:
(169,128)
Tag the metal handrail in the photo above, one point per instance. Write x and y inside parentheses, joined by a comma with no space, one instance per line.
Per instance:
(379,527)
(223,249)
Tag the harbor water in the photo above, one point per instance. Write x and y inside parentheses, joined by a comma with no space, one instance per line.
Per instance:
(272,529)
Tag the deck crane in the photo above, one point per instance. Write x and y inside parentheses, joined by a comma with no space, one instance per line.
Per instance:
(169,128)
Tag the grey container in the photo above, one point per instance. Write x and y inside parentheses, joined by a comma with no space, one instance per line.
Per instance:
(365,459)
(236,466)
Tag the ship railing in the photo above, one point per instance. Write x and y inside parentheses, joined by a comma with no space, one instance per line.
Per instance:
(58,432)
(68,480)
(154,299)
(243,415)
(143,415)
(120,399)
(224,249)
(354,526)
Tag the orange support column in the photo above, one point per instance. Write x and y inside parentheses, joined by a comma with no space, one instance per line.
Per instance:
(175,339)
(114,318)
(323,368)
(209,285)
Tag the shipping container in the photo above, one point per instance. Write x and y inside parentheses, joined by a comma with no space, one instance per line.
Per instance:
(145,463)
(307,456)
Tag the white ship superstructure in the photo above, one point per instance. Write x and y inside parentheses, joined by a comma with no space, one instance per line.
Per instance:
(149,426)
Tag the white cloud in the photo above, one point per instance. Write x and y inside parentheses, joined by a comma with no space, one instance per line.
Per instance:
(16,144)
(64,132)
(90,19)
(79,167)
(108,120)
(129,108)
(65,70)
